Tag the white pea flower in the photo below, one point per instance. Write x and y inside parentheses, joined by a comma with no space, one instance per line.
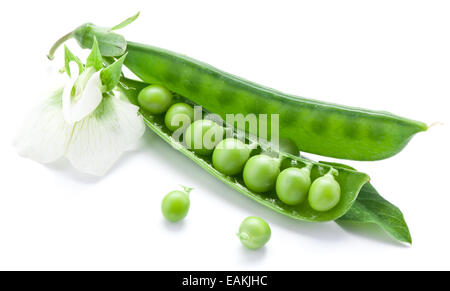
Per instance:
(82,122)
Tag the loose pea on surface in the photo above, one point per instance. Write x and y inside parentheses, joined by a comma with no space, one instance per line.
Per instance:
(203,135)
(155,99)
(254,232)
(324,193)
(179,115)
(175,205)
(261,172)
(293,184)
(230,155)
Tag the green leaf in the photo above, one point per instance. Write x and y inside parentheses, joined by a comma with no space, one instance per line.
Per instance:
(110,76)
(126,22)
(370,207)
(70,57)
(95,57)
(110,43)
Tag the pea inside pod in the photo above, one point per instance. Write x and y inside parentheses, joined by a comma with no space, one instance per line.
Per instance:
(179,115)
(155,99)
(230,156)
(324,193)
(261,172)
(203,135)
(293,185)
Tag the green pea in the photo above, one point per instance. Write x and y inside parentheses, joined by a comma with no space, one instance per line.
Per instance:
(179,115)
(175,205)
(254,232)
(230,155)
(261,172)
(155,99)
(324,193)
(293,184)
(203,135)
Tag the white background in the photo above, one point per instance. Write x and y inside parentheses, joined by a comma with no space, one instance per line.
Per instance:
(387,55)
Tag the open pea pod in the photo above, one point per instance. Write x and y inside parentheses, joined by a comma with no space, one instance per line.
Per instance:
(349,180)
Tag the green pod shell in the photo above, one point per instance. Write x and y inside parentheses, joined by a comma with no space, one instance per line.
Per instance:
(350,181)
(315,127)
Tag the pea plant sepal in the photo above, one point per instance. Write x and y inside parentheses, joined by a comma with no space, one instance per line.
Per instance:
(84,121)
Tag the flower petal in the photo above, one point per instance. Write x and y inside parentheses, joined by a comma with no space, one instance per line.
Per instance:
(45,134)
(91,97)
(67,94)
(100,139)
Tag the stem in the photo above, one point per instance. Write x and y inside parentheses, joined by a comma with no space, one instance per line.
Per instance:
(283,156)
(252,145)
(436,123)
(187,190)
(242,236)
(332,172)
(125,86)
(58,43)
(308,166)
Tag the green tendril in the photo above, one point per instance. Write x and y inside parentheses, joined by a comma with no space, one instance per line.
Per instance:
(187,190)
(58,43)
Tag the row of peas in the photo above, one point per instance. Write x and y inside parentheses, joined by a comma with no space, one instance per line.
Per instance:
(230,156)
